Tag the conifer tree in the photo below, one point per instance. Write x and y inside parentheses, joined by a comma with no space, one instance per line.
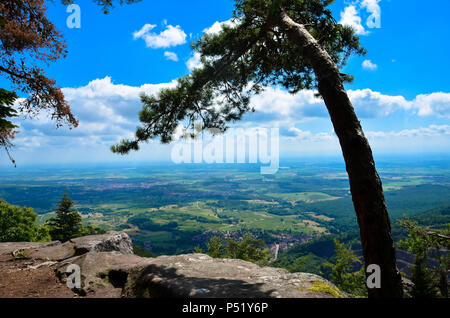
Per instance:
(296,44)
(423,243)
(67,223)
(343,272)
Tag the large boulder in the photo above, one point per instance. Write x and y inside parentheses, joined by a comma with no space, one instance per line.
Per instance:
(109,268)
(198,275)
(55,251)
(103,274)
(120,242)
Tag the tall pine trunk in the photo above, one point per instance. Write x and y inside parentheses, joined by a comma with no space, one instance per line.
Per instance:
(365,183)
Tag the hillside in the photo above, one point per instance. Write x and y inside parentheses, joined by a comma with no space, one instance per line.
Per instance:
(311,256)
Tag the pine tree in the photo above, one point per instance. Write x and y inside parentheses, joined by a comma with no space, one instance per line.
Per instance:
(343,273)
(67,223)
(422,279)
(297,45)
(423,243)
(248,249)
(216,248)
(7,128)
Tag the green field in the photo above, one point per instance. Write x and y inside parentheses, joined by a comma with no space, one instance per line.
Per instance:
(172,209)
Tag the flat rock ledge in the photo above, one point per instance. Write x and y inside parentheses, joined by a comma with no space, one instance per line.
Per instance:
(109,269)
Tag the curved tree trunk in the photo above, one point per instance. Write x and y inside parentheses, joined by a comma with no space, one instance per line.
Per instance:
(365,183)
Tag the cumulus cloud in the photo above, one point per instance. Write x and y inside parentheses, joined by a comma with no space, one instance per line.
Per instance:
(218,26)
(299,134)
(430,131)
(194,62)
(433,104)
(171,36)
(171,56)
(350,17)
(368,65)
(108,112)
(371,104)
(275,103)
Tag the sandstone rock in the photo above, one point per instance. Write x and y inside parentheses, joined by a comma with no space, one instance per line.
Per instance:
(55,251)
(102,273)
(12,248)
(198,275)
(104,243)
(110,269)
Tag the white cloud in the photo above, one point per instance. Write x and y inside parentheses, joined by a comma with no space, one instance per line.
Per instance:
(171,56)
(430,131)
(194,62)
(368,65)
(350,17)
(371,104)
(433,104)
(108,112)
(276,104)
(299,134)
(171,36)
(144,30)
(104,88)
(217,26)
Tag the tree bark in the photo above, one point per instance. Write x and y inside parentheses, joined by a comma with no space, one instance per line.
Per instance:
(365,184)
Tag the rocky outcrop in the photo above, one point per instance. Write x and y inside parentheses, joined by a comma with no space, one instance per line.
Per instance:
(198,275)
(110,269)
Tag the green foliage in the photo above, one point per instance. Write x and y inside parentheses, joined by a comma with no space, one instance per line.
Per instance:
(311,256)
(422,278)
(435,217)
(17,224)
(238,63)
(142,251)
(6,101)
(343,274)
(67,223)
(309,263)
(198,249)
(216,248)
(248,249)
(91,230)
(422,243)
(42,234)
(7,128)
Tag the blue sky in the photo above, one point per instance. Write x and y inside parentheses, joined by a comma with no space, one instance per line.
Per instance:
(401,90)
